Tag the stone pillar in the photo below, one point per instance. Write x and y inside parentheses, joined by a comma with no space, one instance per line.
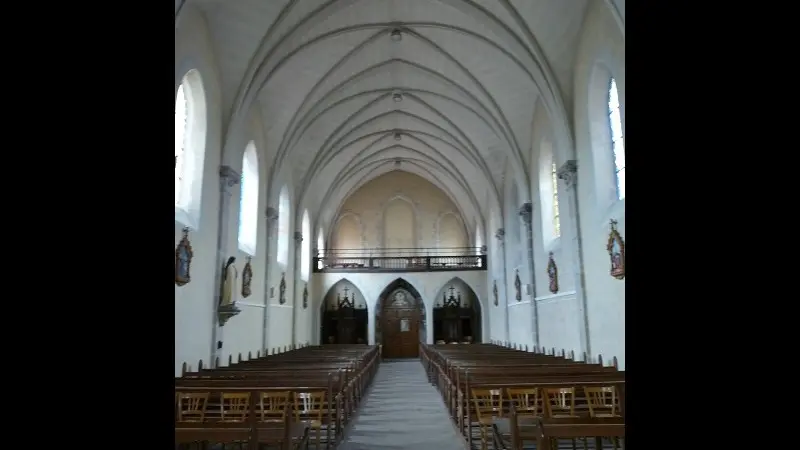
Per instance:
(500,234)
(228,179)
(526,213)
(272,225)
(571,243)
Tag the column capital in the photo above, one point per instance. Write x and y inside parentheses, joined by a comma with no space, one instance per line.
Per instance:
(500,234)
(526,212)
(569,173)
(228,176)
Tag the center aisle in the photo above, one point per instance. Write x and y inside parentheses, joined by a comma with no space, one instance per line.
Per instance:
(402,411)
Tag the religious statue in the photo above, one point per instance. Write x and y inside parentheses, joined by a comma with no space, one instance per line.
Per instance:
(552,273)
(247,278)
(494,292)
(183,260)
(229,276)
(282,289)
(517,285)
(305,296)
(616,251)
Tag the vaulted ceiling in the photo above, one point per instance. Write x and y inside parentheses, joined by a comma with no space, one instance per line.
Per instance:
(348,87)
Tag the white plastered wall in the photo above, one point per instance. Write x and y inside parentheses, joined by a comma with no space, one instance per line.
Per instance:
(520,315)
(194,302)
(601,55)
(558,314)
(496,273)
(280,317)
(244,332)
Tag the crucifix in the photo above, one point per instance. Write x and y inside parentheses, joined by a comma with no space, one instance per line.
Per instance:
(451,291)
(346,290)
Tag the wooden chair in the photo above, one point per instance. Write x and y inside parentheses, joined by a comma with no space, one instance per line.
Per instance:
(273,413)
(560,403)
(234,406)
(526,401)
(603,402)
(488,405)
(272,407)
(309,409)
(192,406)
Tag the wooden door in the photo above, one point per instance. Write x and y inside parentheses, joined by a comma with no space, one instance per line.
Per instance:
(400,327)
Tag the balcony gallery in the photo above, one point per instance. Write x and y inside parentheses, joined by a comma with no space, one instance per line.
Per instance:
(400,260)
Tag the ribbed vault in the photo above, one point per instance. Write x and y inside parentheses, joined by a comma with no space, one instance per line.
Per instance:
(343,100)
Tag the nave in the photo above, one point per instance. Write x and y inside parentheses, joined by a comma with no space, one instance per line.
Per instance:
(492,397)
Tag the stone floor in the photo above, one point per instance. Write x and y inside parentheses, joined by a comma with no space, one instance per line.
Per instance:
(402,411)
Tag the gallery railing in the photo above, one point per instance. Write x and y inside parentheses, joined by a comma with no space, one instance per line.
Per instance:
(400,259)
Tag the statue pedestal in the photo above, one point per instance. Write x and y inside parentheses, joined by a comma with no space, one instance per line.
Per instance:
(225,312)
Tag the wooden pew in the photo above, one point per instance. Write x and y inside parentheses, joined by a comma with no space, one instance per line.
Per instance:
(285,394)
(478,384)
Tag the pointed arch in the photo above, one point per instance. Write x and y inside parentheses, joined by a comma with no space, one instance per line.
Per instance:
(606,131)
(339,286)
(387,238)
(248,200)
(451,234)
(548,192)
(468,296)
(329,302)
(190,147)
(412,312)
(399,283)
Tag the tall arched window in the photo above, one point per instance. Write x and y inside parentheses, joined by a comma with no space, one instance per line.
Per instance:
(548,193)
(556,216)
(305,248)
(283,227)
(248,201)
(190,142)
(320,247)
(617,145)
(180,139)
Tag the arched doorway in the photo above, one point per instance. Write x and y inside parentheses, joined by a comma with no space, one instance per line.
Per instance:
(457,314)
(400,320)
(344,315)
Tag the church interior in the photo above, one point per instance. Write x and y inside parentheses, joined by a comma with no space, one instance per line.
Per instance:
(415,203)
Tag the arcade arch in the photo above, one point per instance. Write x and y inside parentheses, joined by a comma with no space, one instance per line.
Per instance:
(400,322)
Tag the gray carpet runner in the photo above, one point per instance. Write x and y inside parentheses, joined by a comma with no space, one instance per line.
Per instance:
(402,411)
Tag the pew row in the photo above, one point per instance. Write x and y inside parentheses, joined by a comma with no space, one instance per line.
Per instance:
(482,384)
(288,401)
